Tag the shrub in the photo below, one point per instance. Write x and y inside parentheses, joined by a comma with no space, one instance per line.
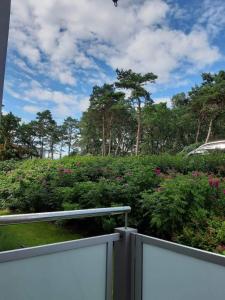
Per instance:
(183,209)
(175,197)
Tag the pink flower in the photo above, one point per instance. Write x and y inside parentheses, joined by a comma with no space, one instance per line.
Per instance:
(157,171)
(224,192)
(221,248)
(67,171)
(214,182)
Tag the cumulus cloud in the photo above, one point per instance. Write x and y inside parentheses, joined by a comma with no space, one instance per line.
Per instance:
(60,39)
(64,32)
(39,98)
(31,109)
(212,16)
(153,12)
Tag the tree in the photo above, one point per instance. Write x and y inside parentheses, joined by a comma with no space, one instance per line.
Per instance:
(54,138)
(116,124)
(70,129)
(62,139)
(91,133)
(179,100)
(26,137)
(8,133)
(197,109)
(209,99)
(103,102)
(136,82)
(158,125)
(44,124)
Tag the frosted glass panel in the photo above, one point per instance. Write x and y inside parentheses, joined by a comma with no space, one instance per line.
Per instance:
(171,276)
(78,274)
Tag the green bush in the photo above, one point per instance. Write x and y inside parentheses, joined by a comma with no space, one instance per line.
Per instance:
(170,196)
(184,209)
(8,165)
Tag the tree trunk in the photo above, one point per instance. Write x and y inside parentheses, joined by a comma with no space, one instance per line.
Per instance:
(69,140)
(117,148)
(60,151)
(209,131)
(110,142)
(42,148)
(110,136)
(69,148)
(52,151)
(198,131)
(138,137)
(69,144)
(103,135)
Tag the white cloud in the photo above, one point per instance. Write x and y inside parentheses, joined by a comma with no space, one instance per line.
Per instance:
(212,16)
(58,35)
(153,12)
(166,100)
(62,104)
(31,109)
(163,50)
(66,40)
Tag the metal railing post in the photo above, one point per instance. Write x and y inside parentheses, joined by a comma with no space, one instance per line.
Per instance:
(123,264)
(4,31)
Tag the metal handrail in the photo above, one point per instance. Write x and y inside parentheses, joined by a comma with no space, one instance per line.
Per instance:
(65,215)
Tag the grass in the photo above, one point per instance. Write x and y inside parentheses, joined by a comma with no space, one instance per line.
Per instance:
(35,234)
(4,212)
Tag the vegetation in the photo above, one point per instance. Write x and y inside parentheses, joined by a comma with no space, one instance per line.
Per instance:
(38,138)
(173,197)
(124,151)
(123,119)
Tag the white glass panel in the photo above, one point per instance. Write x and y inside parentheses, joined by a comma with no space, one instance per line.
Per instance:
(78,274)
(171,276)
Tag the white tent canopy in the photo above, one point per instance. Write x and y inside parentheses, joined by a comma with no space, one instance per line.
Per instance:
(217,145)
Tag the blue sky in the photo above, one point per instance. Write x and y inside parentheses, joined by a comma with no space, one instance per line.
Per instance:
(59,49)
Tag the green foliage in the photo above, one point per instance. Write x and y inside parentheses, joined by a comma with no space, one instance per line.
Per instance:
(8,165)
(190,148)
(172,197)
(188,209)
(70,130)
(118,123)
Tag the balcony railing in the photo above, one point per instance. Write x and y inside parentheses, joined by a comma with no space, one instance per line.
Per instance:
(65,215)
(124,265)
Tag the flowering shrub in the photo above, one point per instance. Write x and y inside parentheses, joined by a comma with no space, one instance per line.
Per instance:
(157,171)
(184,208)
(174,197)
(214,182)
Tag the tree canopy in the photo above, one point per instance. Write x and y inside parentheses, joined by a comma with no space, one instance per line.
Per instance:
(122,119)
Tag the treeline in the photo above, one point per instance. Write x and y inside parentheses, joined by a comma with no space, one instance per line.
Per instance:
(42,137)
(119,124)
(122,119)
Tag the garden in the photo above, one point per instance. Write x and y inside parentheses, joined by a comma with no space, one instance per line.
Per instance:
(174,197)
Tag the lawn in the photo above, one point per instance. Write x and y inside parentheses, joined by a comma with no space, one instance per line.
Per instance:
(27,235)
